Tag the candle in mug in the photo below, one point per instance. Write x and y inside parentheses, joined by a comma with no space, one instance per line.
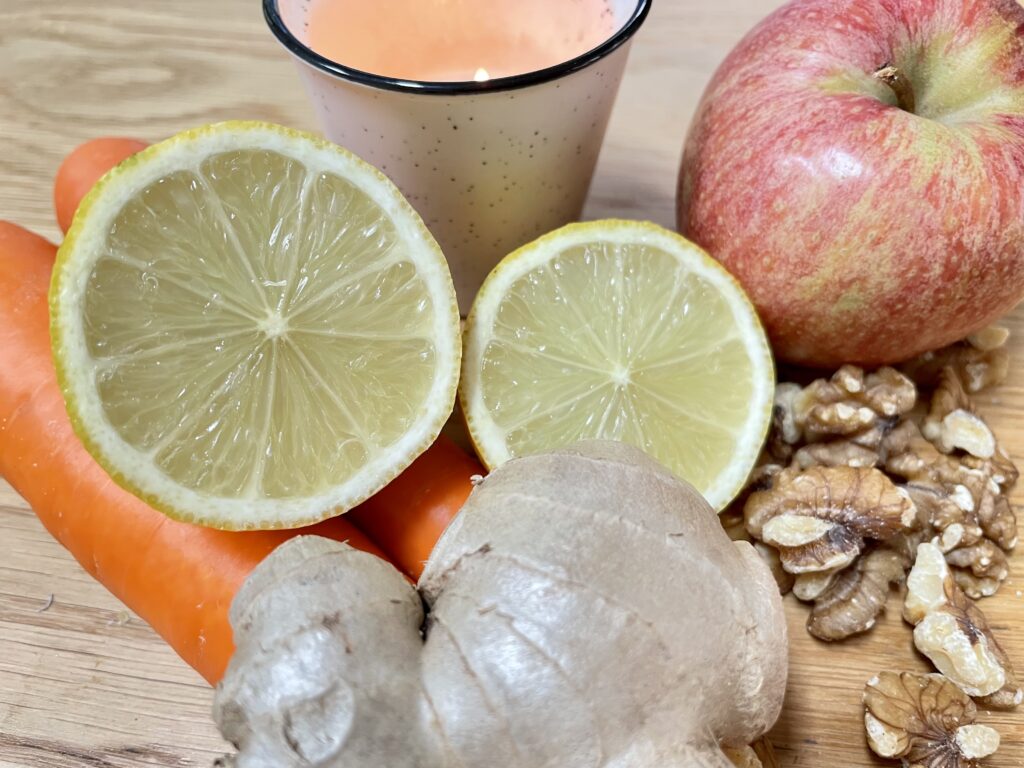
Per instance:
(457,40)
(487,114)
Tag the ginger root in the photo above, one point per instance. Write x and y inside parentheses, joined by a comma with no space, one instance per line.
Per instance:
(584,609)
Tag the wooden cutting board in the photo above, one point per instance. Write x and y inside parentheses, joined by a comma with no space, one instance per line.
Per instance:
(85,683)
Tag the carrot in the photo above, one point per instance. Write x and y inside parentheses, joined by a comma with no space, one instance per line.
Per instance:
(178,577)
(83,168)
(408,517)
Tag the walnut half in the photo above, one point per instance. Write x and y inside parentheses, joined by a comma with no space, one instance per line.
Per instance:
(952,423)
(819,518)
(981,361)
(857,595)
(859,407)
(926,721)
(953,633)
(760,754)
(743,757)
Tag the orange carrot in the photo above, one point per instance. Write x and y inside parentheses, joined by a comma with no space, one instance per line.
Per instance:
(409,515)
(178,577)
(83,168)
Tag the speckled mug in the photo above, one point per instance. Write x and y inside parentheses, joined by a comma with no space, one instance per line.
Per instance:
(489,165)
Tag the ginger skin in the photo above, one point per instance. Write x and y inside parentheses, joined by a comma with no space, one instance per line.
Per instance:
(584,609)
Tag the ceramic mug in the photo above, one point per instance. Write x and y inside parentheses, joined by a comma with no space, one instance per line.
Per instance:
(489,165)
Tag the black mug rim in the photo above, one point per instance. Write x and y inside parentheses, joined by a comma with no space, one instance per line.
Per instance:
(273,18)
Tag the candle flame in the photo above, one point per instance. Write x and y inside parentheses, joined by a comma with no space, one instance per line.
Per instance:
(481,75)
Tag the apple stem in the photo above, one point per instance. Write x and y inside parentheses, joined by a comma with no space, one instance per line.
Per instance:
(900,85)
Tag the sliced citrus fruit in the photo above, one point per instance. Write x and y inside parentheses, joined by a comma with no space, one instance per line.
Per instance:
(252,328)
(625,331)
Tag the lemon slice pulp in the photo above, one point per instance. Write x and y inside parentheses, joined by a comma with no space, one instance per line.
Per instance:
(624,331)
(252,328)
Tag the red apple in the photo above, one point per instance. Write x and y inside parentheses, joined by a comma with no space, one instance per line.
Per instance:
(858,165)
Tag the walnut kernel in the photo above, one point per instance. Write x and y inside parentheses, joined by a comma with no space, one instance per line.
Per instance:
(818,519)
(743,757)
(998,521)
(955,475)
(810,586)
(977,368)
(770,555)
(835,453)
(857,595)
(924,720)
(989,338)
(964,500)
(731,519)
(760,754)
(980,568)
(953,633)
(852,405)
(951,422)
(977,741)
(785,432)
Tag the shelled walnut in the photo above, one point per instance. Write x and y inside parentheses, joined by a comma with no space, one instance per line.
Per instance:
(819,521)
(731,519)
(783,578)
(951,422)
(761,478)
(953,633)
(735,526)
(998,521)
(979,569)
(760,754)
(785,432)
(980,360)
(820,518)
(958,481)
(743,757)
(857,595)
(850,405)
(810,586)
(835,453)
(925,721)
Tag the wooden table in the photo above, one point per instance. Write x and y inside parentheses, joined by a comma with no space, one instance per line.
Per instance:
(84,682)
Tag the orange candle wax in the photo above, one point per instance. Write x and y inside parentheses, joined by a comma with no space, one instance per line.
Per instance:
(456,40)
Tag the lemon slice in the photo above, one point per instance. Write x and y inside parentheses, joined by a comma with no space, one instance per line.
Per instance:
(252,328)
(624,331)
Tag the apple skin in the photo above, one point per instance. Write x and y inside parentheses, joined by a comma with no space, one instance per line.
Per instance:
(862,232)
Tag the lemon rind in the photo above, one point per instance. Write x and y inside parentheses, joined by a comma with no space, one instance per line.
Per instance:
(125,464)
(489,439)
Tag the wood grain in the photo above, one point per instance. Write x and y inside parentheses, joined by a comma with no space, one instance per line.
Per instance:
(84,683)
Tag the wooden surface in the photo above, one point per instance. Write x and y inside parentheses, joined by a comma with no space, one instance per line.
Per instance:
(84,683)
